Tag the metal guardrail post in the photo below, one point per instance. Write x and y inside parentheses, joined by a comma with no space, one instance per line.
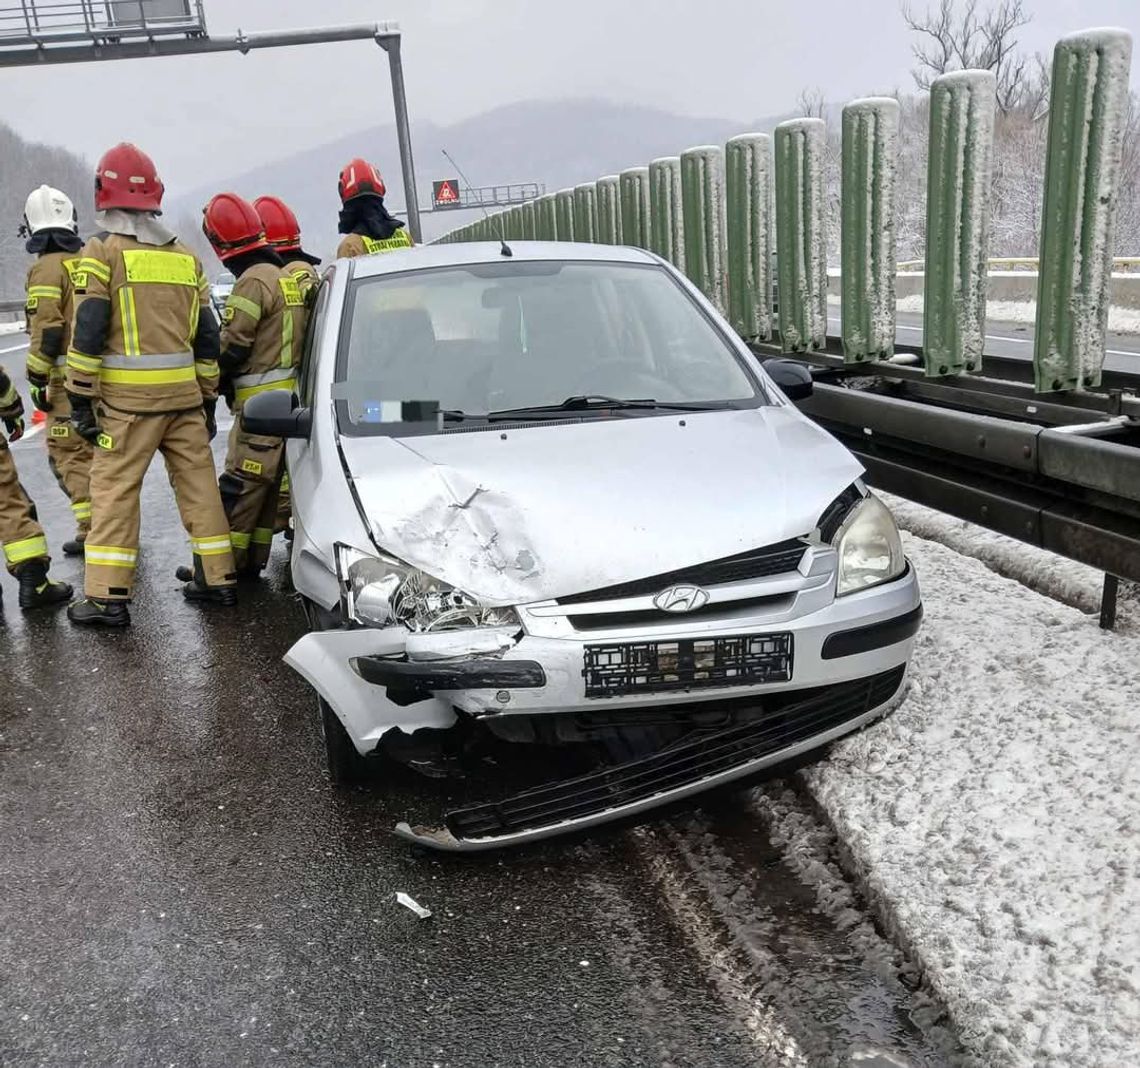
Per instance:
(867,243)
(1087,111)
(666,214)
(633,186)
(564,215)
(609,210)
(586,212)
(748,197)
(958,220)
(801,234)
(702,197)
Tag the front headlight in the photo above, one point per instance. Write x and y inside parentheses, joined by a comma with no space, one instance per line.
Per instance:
(870,550)
(382,591)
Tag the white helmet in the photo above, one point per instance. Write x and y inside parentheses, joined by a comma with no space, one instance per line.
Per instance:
(49,209)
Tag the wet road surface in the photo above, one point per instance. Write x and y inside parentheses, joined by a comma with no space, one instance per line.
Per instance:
(179,884)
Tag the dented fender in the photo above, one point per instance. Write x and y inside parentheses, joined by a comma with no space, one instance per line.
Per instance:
(323,660)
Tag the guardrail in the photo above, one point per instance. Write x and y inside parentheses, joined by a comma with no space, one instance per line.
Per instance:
(1000,263)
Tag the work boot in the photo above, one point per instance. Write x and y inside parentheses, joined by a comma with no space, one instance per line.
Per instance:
(75,546)
(184,573)
(198,591)
(94,612)
(36,589)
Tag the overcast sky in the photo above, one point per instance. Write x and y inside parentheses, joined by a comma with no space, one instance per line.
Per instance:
(209,117)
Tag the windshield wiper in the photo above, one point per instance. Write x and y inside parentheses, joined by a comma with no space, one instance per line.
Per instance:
(597,402)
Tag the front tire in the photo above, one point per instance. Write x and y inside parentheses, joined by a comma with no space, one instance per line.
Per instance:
(346,766)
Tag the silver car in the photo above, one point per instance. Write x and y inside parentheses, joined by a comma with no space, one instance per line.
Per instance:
(550,495)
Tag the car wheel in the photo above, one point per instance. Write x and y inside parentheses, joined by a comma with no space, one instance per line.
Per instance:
(346,766)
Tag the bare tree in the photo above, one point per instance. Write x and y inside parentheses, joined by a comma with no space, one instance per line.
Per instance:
(957,36)
(811,103)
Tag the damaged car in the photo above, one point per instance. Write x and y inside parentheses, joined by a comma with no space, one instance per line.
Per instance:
(544,494)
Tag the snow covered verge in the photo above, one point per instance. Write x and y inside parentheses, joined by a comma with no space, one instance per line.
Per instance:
(993,821)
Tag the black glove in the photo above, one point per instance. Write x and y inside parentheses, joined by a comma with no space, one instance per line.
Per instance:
(14,424)
(83,417)
(38,388)
(209,407)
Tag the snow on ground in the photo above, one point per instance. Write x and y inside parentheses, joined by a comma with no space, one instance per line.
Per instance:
(11,328)
(1120,320)
(994,819)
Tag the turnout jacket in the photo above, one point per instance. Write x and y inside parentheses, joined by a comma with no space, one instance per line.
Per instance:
(48,311)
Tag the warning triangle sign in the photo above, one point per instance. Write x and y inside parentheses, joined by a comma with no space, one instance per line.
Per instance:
(446,193)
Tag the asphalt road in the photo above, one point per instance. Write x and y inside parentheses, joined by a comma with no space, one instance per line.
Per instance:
(180,885)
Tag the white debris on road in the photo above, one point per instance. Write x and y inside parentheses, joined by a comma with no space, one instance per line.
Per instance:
(412,904)
(11,328)
(994,819)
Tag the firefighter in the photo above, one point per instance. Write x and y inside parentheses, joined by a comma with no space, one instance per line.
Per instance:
(51,227)
(283,233)
(25,547)
(263,326)
(366,223)
(145,341)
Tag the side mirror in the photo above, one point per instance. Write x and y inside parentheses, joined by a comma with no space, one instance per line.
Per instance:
(276,414)
(793,377)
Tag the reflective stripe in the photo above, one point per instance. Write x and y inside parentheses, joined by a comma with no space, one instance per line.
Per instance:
(242,304)
(211,546)
(150,378)
(9,397)
(40,365)
(129,320)
(17,552)
(242,395)
(287,339)
(81,509)
(147,266)
(110,555)
(239,541)
(277,375)
(149,361)
(285,482)
(45,291)
(263,536)
(206,368)
(77,361)
(96,267)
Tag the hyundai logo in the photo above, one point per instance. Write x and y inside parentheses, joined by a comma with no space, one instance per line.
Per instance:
(681,599)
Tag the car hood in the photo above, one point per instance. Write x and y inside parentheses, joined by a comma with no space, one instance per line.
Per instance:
(516,515)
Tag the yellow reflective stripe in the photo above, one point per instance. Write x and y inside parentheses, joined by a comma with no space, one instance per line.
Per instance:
(9,397)
(285,482)
(163,376)
(78,361)
(243,304)
(287,340)
(81,509)
(238,540)
(262,536)
(17,552)
(399,240)
(96,267)
(110,555)
(206,368)
(249,391)
(150,266)
(130,321)
(45,291)
(40,365)
(215,546)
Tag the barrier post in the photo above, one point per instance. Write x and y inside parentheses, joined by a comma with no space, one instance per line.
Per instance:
(666,215)
(702,197)
(609,210)
(564,215)
(748,197)
(633,185)
(586,212)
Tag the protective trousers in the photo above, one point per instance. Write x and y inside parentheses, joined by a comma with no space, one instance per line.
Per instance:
(127,444)
(22,537)
(249,487)
(284,501)
(69,457)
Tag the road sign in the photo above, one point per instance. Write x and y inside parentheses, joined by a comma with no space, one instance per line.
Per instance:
(445,194)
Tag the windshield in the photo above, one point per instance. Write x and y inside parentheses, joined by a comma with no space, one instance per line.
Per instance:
(473,341)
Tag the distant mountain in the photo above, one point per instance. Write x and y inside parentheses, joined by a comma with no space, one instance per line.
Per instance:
(557,143)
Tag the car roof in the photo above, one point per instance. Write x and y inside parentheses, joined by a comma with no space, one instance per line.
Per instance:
(469,252)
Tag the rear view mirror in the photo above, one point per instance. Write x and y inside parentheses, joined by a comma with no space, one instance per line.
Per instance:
(793,377)
(276,414)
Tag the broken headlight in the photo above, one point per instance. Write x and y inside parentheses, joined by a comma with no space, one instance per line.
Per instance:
(382,591)
(870,550)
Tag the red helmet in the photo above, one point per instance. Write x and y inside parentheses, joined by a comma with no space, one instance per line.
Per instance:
(125,178)
(282,230)
(232,226)
(360,178)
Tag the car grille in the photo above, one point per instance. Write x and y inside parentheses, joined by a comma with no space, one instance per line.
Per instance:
(621,668)
(788,719)
(756,563)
